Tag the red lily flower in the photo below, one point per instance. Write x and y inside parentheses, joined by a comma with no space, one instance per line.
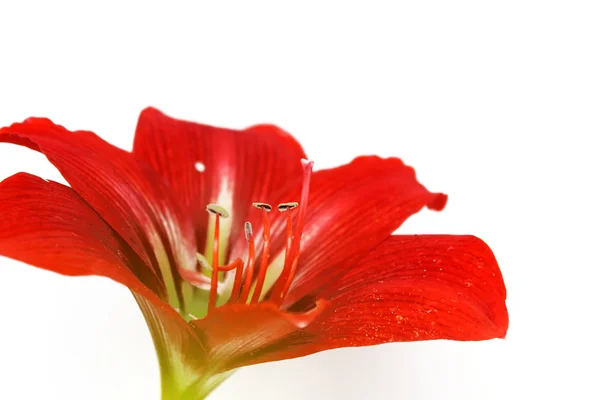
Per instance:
(244,283)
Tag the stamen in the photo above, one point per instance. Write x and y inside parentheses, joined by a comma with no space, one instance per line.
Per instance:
(293,251)
(277,291)
(249,264)
(263,206)
(237,284)
(232,266)
(290,278)
(264,263)
(287,206)
(243,284)
(289,233)
(219,212)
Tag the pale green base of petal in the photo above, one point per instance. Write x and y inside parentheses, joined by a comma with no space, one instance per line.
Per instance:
(185,366)
(197,391)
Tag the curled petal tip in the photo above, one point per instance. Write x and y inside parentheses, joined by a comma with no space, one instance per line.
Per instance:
(438,202)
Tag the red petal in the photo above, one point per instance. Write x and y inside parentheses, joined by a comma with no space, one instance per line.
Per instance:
(351,209)
(242,166)
(235,333)
(409,288)
(126,193)
(48,225)
(417,288)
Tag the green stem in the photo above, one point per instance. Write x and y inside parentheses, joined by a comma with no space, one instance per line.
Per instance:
(198,390)
(185,366)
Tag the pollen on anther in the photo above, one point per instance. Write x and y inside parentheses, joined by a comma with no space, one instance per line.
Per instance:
(200,167)
(263,206)
(248,230)
(287,206)
(217,210)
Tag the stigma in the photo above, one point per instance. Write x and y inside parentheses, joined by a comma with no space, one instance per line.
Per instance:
(248,278)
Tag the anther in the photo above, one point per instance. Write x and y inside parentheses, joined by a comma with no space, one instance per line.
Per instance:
(217,210)
(248,230)
(263,206)
(287,206)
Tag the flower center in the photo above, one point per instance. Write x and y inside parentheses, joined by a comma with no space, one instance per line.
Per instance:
(248,283)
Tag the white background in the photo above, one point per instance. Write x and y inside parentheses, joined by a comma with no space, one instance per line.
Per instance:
(495,103)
